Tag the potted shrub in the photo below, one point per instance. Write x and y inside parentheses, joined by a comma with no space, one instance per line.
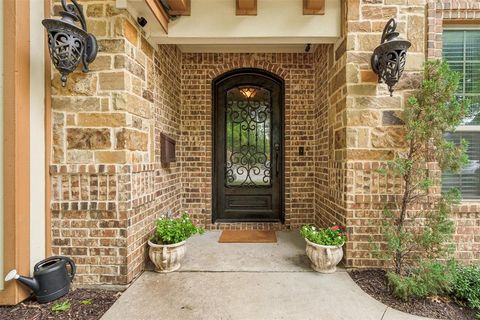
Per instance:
(167,244)
(324,247)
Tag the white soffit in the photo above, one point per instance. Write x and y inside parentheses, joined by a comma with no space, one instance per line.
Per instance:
(212,25)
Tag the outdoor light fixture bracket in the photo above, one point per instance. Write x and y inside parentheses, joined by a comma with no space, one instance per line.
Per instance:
(67,43)
(389,58)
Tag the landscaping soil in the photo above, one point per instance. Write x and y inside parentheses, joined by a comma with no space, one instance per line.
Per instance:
(95,304)
(374,282)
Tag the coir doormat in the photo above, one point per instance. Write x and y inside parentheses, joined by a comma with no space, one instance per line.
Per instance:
(247,236)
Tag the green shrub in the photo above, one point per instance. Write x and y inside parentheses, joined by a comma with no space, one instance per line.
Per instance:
(432,278)
(466,287)
(174,230)
(334,236)
(429,113)
(416,226)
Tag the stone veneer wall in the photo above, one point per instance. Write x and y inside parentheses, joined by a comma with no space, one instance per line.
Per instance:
(198,71)
(374,132)
(108,185)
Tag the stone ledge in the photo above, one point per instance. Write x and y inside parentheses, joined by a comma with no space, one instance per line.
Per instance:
(83,168)
(58,169)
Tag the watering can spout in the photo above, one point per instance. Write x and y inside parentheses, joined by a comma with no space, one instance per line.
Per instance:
(29,282)
(51,278)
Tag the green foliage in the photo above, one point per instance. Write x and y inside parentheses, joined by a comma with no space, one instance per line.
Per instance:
(334,236)
(174,230)
(61,306)
(430,278)
(86,301)
(416,239)
(466,287)
(430,241)
(434,110)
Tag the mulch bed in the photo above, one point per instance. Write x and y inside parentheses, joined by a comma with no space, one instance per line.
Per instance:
(374,282)
(85,305)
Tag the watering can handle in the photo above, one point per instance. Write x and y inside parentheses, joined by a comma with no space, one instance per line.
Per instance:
(72,266)
(67,259)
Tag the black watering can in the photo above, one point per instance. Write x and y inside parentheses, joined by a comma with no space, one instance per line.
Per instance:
(51,278)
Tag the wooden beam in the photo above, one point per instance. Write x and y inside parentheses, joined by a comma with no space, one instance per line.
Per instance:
(246,8)
(159,13)
(16,144)
(313,7)
(179,7)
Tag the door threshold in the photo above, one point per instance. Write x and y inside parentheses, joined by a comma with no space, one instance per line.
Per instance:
(218,221)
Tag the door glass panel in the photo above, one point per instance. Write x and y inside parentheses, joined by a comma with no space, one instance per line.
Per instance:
(248,134)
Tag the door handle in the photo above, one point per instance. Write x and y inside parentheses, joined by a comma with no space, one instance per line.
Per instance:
(276,147)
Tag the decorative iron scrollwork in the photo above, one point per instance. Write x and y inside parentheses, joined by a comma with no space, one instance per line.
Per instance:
(389,58)
(69,44)
(248,136)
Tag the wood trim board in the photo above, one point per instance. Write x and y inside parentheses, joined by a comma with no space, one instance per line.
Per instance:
(159,13)
(313,7)
(180,7)
(16,126)
(246,7)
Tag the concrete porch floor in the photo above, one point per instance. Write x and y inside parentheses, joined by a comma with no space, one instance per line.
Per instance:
(248,281)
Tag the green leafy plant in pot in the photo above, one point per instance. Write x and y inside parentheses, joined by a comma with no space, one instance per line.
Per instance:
(324,246)
(167,244)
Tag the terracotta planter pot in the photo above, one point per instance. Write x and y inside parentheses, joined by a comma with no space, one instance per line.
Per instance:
(167,257)
(324,258)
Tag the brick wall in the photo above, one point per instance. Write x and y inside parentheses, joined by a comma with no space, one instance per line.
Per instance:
(442,12)
(198,71)
(329,135)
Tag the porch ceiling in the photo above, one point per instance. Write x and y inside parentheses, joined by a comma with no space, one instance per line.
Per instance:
(213,22)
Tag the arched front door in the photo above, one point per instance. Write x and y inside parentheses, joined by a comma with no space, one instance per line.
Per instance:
(248,147)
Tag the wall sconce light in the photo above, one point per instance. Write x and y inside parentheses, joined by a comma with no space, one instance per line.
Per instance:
(68,44)
(389,58)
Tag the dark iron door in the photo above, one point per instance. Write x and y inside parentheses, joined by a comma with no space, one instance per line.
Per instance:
(248,144)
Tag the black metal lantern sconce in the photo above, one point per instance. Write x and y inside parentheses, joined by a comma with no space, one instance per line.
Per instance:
(389,58)
(68,44)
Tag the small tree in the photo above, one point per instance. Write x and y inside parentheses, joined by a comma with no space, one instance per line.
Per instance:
(417,229)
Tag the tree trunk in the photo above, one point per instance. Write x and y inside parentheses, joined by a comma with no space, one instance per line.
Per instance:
(398,259)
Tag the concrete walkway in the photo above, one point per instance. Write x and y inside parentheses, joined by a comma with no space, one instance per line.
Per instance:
(248,281)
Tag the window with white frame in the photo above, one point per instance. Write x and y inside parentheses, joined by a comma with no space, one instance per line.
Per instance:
(461,49)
